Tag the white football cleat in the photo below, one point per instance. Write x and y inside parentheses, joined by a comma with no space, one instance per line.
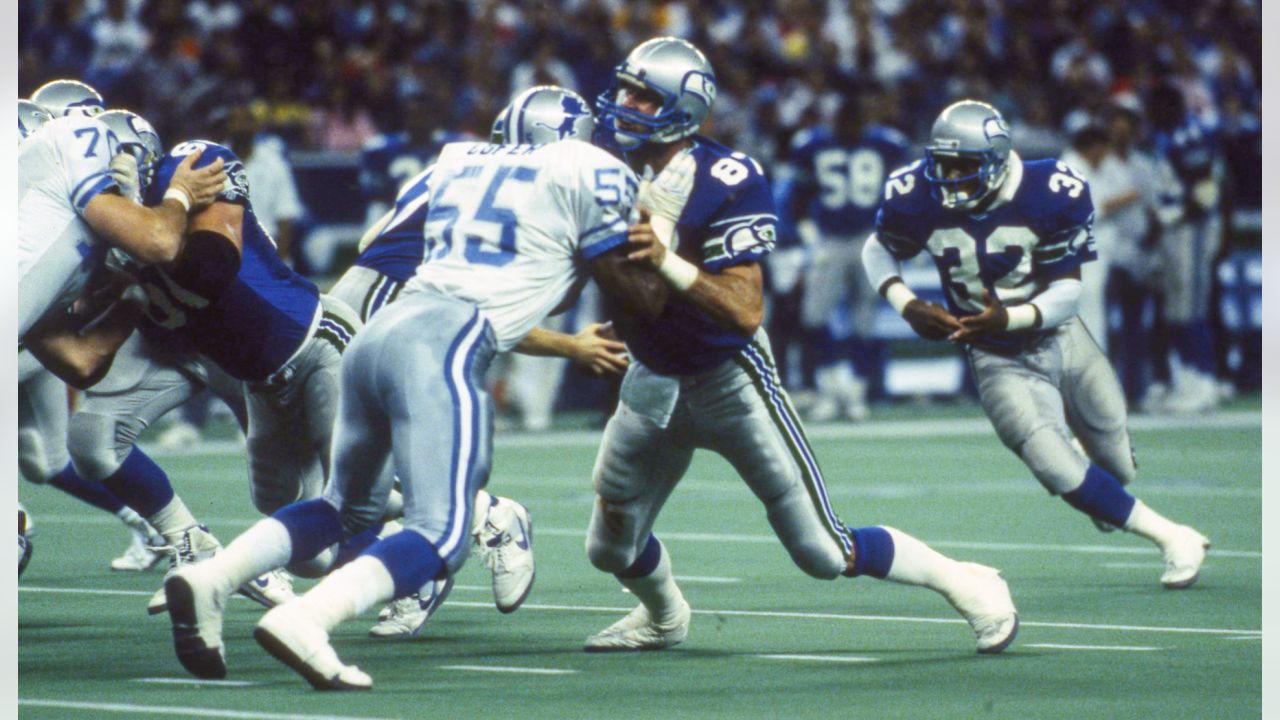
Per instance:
(1183,556)
(304,646)
(269,589)
(505,545)
(195,610)
(194,545)
(145,551)
(406,616)
(638,631)
(982,597)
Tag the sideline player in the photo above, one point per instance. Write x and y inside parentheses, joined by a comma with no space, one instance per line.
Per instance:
(1009,237)
(702,376)
(509,231)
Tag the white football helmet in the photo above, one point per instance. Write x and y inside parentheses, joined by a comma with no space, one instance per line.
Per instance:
(544,114)
(136,137)
(968,147)
(69,97)
(678,73)
(30,117)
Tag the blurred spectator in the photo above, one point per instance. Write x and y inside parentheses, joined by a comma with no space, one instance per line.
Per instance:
(275,196)
(341,125)
(118,40)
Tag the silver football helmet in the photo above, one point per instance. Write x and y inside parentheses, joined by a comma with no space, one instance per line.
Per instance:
(30,117)
(679,74)
(68,97)
(135,136)
(967,158)
(544,114)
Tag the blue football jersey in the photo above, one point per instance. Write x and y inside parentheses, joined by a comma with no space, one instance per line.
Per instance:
(259,320)
(843,182)
(729,220)
(387,162)
(1042,232)
(399,248)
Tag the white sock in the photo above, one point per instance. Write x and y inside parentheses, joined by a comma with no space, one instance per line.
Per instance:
(172,520)
(1147,523)
(348,591)
(915,563)
(264,547)
(657,590)
(481,511)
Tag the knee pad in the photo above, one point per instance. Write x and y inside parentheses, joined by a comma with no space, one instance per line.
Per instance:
(611,537)
(316,567)
(1058,466)
(796,523)
(98,444)
(32,464)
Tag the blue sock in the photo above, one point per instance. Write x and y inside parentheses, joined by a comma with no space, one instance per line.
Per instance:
(1102,497)
(141,484)
(90,492)
(313,525)
(873,551)
(410,559)
(646,562)
(353,546)
(1203,343)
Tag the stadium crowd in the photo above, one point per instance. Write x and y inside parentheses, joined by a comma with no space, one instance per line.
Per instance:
(336,75)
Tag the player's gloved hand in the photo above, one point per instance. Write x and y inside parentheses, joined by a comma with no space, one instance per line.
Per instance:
(201,186)
(598,349)
(993,319)
(664,197)
(930,320)
(124,170)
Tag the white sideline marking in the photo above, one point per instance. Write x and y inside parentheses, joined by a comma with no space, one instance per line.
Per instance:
(507,669)
(180,711)
(946,427)
(195,681)
(1127,648)
(819,658)
(773,614)
(1256,638)
(708,579)
(1136,565)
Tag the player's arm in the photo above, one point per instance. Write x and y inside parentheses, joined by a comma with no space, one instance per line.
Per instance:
(929,320)
(79,346)
(210,257)
(1051,307)
(595,348)
(733,296)
(154,235)
(374,231)
(640,291)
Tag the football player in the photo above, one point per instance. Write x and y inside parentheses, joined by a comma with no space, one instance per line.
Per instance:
(1008,238)
(702,375)
(839,174)
(509,229)
(390,252)
(228,314)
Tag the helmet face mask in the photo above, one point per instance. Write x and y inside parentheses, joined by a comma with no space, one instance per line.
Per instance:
(967,158)
(68,97)
(136,137)
(541,115)
(681,84)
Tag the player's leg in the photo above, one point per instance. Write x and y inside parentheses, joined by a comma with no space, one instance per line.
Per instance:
(747,417)
(824,287)
(365,290)
(428,379)
(870,353)
(637,466)
(1095,412)
(1186,298)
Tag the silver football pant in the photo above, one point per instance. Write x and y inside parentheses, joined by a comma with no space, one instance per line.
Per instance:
(42,426)
(1061,386)
(741,412)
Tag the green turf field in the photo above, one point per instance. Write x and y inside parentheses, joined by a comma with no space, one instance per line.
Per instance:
(1099,638)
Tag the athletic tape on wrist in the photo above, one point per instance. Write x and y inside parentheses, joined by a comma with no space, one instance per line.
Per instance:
(678,271)
(898,295)
(180,196)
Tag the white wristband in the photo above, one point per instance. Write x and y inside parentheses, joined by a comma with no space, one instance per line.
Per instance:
(899,295)
(665,229)
(679,272)
(180,196)
(1022,317)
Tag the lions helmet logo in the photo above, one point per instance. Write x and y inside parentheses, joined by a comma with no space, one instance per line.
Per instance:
(573,110)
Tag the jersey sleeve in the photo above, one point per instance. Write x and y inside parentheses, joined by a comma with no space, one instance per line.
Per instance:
(86,157)
(745,228)
(1066,236)
(893,229)
(607,193)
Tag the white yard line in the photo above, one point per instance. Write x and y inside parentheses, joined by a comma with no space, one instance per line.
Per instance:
(179,710)
(509,669)
(771,614)
(1125,648)
(195,681)
(818,658)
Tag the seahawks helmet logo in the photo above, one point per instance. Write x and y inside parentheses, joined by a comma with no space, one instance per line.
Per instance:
(573,109)
(995,127)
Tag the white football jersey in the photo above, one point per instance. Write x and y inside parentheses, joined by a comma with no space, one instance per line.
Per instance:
(61,167)
(511,227)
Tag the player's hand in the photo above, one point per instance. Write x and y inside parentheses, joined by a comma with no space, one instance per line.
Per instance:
(643,245)
(931,321)
(993,319)
(598,349)
(201,186)
(666,195)
(124,170)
